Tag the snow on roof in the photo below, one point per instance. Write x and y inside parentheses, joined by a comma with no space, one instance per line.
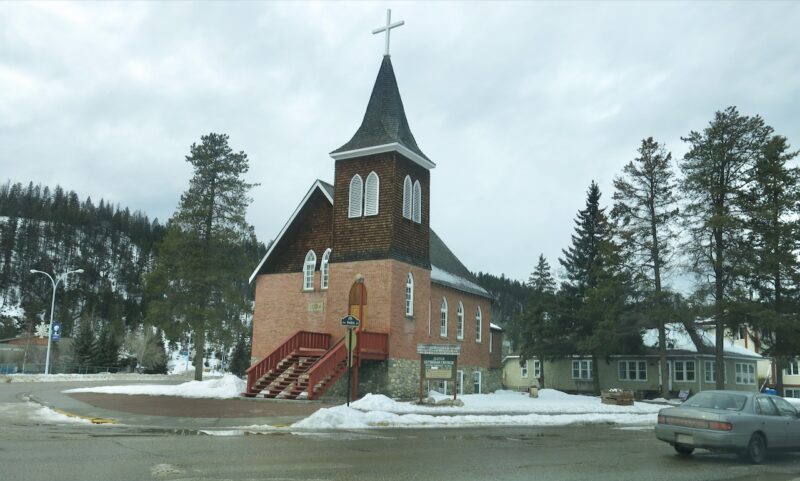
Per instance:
(494,326)
(679,339)
(443,277)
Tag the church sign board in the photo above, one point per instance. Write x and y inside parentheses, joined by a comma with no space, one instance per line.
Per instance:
(438,361)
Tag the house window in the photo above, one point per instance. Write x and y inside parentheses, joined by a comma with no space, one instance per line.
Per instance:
(460,379)
(632,370)
(745,373)
(308,271)
(371,194)
(325,269)
(410,295)
(443,319)
(476,382)
(438,385)
(710,370)
(416,208)
(537,369)
(460,321)
(741,333)
(582,369)
(407,189)
(523,370)
(356,196)
(491,340)
(684,371)
(478,324)
(795,393)
(793,369)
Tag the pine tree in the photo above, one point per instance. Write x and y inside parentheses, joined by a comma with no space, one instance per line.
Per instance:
(240,358)
(772,207)
(541,337)
(715,179)
(645,211)
(196,286)
(83,344)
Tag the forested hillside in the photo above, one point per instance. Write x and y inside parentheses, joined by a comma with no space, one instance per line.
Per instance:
(510,297)
(55,231)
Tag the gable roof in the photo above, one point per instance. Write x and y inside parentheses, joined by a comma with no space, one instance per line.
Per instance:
(678,340)
(446,268)
(326,189)
(384,127)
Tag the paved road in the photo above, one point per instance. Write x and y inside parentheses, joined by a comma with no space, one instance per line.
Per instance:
(34,452)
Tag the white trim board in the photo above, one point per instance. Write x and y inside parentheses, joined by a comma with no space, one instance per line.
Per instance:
(378,149)
(317,185)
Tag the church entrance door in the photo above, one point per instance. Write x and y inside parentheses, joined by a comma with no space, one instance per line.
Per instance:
(358,303)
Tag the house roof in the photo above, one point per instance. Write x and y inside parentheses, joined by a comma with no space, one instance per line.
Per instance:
(384,127)
(446,269)
(678,340)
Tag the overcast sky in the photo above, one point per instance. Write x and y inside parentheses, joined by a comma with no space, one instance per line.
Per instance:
(520,105)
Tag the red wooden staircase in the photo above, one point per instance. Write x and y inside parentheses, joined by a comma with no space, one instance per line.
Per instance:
(306,365)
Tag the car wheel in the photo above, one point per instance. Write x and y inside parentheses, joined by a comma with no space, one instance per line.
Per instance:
(756,449)
(683,449)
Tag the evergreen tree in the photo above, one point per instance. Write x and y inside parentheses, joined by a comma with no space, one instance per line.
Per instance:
(541,337)
(83,344)
(772,208)
(715,179)
(197,281)
(106,352)
(240,358)
(645,211)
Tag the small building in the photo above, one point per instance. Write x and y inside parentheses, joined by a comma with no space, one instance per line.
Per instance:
(688,369)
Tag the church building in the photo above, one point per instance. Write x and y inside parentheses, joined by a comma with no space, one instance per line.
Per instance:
(363,246)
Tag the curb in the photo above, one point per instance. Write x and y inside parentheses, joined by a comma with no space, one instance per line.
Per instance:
(91,419)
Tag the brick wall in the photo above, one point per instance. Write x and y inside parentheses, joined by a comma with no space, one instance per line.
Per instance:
(472,352)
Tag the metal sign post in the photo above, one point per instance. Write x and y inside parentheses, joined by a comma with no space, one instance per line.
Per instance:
(350,322)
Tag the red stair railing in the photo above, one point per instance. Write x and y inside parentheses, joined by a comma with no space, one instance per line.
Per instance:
(326,366)
(373,345)
(300,340)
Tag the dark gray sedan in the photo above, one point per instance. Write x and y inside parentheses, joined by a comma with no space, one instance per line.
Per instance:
(746,423)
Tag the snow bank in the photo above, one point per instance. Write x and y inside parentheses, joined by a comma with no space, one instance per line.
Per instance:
(342,417)
(226,387)
(549,402)
(45,414)
(89,377)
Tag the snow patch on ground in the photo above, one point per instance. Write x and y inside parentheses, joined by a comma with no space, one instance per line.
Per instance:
(226,387)
(90,377)
(47,415)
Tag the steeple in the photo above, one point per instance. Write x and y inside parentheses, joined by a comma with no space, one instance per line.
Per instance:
(385,127)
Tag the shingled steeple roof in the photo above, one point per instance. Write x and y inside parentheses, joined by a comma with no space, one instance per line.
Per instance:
(385,127)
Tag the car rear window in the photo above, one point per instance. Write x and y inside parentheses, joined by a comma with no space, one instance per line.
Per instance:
(717,400)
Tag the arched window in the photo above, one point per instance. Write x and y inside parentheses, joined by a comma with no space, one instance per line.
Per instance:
(443,320)
(478,324)
(324,269)
(407,198)
(308,271)
(460,321)
(356,196)
(371,192)
(416,209)
(410,295)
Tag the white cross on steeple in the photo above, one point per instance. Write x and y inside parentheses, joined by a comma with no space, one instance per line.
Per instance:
(388,28)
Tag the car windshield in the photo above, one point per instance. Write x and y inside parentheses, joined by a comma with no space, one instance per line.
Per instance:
(717,400)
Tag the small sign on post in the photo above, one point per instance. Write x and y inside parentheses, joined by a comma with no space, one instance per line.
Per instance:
(56,336)
(350,322)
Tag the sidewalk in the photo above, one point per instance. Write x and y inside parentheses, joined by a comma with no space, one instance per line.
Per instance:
(168,412)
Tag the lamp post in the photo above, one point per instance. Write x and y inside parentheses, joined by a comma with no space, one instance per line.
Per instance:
(52,307)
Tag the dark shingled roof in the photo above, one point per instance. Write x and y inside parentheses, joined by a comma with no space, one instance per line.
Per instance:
(385,120)
(444,259)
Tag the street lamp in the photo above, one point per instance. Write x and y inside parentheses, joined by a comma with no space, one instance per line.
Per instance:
(52,307)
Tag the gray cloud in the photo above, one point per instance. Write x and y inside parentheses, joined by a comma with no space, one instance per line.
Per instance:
(521,105)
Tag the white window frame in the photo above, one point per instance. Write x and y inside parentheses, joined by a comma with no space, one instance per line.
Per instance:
(684,371)
(537,369)
(745,373)
(478,324)
(309,266)
(407,193)
(325,269)
(460,321)
(636,368)
(443,318)
(460,378)
(356,199)
(793,369)
(477,383)
(523,370)
(582,369)
(410,295)
(416,208)
(791,392)
(710,371)
(372,189)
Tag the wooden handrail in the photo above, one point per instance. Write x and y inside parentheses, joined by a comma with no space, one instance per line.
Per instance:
(301,339)
(373,342)
(326,365)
